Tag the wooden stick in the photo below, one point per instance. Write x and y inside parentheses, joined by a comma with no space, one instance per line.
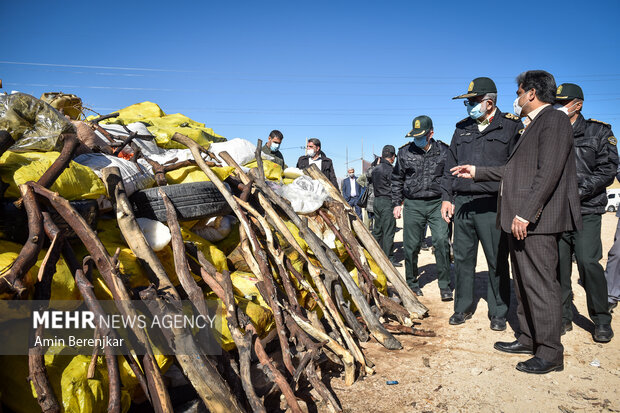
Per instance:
(203,375)
(332,263)
(36,354)
(411,303)
(87,291)
(345,356)
(243,341)
(112,278)
(199,370)
(12,281)
(38,376)
(133,234)
(312,270)
(188,283)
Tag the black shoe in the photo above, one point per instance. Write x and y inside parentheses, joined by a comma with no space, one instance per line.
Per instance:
(446,294)
(612,306)
(417,291)
(536,365)
(459,318)
(397,264)
(513,347)
(566,326)
(498,323)
(603,333)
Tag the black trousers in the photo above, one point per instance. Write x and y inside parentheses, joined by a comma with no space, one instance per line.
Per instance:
(539,296)
(586,244)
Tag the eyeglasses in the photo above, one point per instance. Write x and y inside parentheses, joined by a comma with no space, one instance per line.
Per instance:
(467,102)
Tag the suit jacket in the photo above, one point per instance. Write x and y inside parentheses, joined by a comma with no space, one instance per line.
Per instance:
(346,188)
(539,181)
(327,167)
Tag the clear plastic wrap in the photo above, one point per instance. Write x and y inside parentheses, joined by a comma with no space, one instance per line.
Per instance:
(305,194)
(34,124)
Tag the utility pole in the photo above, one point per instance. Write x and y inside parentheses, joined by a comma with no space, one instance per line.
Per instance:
(362,168)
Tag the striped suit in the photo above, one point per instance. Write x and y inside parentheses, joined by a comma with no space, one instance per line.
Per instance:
(539,184)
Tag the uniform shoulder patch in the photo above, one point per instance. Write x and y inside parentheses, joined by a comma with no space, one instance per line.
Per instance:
(400,147)
(511,116)
(612,139)
(598,121)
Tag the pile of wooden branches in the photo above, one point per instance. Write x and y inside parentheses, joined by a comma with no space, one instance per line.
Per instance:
(225,383)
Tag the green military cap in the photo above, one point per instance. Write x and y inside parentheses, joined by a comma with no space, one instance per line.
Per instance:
(478,87)
(568,91)
(421,126)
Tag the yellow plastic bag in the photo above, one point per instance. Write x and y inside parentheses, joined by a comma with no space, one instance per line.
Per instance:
(140,112)
(195,174)
(75,182)
(163,136)
(273,171)
(67,376)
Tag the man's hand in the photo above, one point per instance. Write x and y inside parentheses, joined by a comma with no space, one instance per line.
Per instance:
(519,228)
(464,171)
(447,210)
(398,211)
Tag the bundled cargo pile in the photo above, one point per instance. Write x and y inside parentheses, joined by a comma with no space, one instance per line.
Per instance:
(157,208)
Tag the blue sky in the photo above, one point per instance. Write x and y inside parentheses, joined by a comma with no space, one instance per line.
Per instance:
(349,73)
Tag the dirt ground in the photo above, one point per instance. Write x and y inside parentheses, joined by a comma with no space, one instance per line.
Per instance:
(458,370)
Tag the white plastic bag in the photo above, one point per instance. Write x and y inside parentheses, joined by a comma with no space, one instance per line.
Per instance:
(119,132)
(135,176)
(157,234)
(305,194)
(242,151)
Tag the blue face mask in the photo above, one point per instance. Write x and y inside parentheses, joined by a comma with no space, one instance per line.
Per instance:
(474,111)
(275,146)
(420,142)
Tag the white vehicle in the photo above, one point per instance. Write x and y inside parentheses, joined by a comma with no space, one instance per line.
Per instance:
(613,199)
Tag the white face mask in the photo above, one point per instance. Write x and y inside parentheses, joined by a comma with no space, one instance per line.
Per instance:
(310,152)
(518,108)
(565,109)
(275,146)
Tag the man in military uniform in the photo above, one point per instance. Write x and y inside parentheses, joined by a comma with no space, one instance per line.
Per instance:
(486,137)
(272,147)
(380,177)
(416,188)
(597,161)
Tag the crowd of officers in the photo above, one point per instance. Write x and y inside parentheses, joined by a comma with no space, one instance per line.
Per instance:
(416,183)
(421,189)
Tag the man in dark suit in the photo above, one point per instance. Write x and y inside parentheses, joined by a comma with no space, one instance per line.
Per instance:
(351,190)
(314,155)
(538,200)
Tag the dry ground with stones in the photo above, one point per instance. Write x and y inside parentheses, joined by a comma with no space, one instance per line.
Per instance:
(458,370)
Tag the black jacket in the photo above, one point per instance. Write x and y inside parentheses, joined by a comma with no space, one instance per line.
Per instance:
(469,146)
(381,179)
(597,162)
(327,167)
(417,174)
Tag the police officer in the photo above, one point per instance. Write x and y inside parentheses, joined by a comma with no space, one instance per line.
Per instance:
(486,137)
(380,177)
(416,188)
(597,160)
